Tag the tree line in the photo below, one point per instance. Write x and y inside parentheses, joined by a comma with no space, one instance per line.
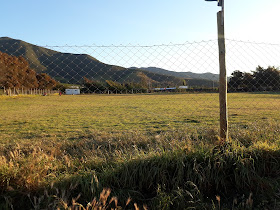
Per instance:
(262,79)
(15,72)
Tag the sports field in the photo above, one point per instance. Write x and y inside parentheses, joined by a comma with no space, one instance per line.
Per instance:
(70,116)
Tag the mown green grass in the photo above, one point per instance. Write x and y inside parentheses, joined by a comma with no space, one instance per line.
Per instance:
(162,150)
(36,117)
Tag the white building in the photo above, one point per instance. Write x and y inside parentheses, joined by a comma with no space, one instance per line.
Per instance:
(183,87)
(72,91)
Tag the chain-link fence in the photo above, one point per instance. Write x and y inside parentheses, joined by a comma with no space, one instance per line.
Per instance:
(253,84)
(151,89)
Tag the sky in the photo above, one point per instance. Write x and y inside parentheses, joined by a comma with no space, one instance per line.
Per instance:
(61,22)
(131,22)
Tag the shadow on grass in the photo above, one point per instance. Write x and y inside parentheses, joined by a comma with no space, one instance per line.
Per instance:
(174,180)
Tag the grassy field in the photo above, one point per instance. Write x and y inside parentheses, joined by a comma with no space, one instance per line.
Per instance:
(69,116)
(159,149)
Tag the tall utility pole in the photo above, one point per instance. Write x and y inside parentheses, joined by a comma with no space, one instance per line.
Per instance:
(223,73)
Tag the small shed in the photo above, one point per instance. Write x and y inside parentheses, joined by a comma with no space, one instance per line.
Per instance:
(183,87)
(72,91)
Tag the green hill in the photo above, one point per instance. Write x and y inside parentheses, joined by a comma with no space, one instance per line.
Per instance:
(72,68)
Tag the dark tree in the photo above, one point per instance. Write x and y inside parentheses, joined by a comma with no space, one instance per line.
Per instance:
(236,81)
(261,80)
(267,79)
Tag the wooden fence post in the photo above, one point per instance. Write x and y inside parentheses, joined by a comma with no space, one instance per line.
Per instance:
(223,78)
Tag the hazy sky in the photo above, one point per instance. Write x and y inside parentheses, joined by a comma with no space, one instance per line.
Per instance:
(60,22)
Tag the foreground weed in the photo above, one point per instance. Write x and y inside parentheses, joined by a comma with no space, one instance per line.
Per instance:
(101,204)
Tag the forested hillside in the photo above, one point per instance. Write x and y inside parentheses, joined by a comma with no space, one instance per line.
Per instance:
(72,68)
(15,72)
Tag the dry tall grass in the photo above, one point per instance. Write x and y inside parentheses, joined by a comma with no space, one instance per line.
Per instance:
(179,169)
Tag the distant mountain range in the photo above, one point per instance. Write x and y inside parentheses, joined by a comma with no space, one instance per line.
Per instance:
(72,68)
(184,75)
(192,79)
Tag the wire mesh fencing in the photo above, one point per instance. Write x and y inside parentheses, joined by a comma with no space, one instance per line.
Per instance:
(151,89)
(254,81)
